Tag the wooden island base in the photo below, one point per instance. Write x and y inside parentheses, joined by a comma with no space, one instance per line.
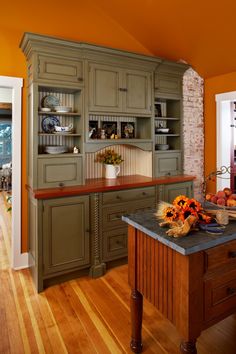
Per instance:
(193,291)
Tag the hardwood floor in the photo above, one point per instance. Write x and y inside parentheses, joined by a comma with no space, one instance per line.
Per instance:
(86,316)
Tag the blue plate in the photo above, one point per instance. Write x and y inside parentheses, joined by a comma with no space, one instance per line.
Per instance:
(48,124)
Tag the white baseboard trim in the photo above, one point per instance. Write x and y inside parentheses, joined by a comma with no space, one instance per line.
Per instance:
(21,261)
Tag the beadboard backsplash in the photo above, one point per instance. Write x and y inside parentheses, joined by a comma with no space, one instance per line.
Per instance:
(136,161)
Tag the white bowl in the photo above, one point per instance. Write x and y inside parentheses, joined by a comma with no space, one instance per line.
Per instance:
(162,146)
(45,109)
(63,109)
(162,130)
(56,149)
(60,129)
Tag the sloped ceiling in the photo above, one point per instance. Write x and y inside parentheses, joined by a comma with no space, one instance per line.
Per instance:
(199,32)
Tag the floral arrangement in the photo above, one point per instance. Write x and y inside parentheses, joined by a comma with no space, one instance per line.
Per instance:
(109,157)
(182,215)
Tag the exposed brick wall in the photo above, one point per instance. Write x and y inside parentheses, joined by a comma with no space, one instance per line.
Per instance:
(193,128)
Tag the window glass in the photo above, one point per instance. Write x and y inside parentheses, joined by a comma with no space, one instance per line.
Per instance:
(5,142)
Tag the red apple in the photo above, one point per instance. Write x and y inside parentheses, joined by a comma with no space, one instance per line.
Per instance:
(221,201)
(214,199)
(231,202)
(227,191)
(209,196)
(220,194)
(232,196)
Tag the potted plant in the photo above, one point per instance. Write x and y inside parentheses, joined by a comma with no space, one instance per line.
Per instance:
(111,161)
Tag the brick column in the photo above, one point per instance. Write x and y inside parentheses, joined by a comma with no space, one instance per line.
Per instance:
(193,128)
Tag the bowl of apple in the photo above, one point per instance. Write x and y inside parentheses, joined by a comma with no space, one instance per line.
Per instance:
(223,198)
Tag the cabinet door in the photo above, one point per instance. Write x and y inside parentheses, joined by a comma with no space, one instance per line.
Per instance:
(59,171)
(167,164)
(137,94)
(171,191)
(168,84)
(65,234)
(60,69)
(105,84)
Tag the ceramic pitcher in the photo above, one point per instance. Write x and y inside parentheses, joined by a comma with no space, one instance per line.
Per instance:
(111,171)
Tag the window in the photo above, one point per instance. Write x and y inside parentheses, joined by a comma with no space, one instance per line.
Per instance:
(5,141)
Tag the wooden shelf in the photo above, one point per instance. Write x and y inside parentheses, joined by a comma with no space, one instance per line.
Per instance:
(58,134)
(166,118)
(163,134)
(71,114)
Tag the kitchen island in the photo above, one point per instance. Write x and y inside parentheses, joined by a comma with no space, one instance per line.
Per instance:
(191,280)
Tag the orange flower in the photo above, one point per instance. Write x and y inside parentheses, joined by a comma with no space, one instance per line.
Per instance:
(170,214)
(180,201)
(204,218)
(193,205)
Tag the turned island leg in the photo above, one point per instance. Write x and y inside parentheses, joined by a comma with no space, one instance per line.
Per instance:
(136,308)
(188,347)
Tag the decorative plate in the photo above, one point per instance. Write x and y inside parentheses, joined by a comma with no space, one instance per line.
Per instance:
(49,123)
(50,101)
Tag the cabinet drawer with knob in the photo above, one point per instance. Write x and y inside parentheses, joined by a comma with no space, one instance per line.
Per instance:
(128,195)
(219,256)
(63,70)
(114,244)
(59,171)
(220,294)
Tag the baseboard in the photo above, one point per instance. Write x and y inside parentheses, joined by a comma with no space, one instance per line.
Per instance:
(21,261)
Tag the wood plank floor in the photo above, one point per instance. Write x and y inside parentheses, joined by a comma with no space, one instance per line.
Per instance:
(85,315)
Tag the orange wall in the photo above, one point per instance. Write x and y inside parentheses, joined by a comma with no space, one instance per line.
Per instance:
(213,86)
(93,28)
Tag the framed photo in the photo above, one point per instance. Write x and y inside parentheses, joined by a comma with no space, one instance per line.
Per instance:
(158,110)
(110,128)
(127,130)
(93,129)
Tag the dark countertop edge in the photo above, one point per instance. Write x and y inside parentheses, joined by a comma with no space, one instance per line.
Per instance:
(183,251)
(98,185)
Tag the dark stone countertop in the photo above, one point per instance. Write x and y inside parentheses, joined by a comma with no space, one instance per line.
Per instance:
(194,242)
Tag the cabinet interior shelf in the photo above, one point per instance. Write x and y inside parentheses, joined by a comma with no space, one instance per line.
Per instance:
(58,134)
(167,151)
(163,134)
(166,118)
(68,154)
(118,141)
(71,114)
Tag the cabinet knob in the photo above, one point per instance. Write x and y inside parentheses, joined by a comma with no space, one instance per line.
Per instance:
(61,185)
(118,197)
(232,254)
(80,79)
(231,291)
(87,230)
(144,193)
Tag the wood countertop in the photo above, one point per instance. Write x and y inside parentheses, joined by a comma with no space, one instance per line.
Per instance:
(98,185)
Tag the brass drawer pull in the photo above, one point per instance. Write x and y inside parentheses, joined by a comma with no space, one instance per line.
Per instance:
(231,291)
(232,254)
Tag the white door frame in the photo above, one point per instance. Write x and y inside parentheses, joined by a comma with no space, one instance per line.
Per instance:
(18,259)
(222,133)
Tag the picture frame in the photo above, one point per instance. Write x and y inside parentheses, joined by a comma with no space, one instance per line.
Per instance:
(127,130)
(93,129)
(110,128)
(158,110)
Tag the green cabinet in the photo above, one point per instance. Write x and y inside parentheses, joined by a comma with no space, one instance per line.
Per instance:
(60,69)
(168,192)
(168,84)
(114,89)
(66,237)
(167,163)
(113,229)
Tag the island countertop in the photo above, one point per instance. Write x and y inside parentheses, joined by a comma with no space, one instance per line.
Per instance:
(195,241)
(98,185)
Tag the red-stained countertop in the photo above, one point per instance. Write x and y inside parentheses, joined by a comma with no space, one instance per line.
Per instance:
(98,185)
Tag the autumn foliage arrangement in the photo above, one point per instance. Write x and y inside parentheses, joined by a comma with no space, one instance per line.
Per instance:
(183,214)
(109,157)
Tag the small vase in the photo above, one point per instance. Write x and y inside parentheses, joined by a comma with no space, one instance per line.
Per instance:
(111,171)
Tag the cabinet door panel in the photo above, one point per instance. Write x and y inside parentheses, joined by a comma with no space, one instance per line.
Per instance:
(104,85)
(60,69)
(65,234)
(138,95)
(168,84)
(55,171)
(171,191)
(167,164)
(114,244)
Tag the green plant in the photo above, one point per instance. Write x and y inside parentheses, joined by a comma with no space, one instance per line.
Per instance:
(109,157)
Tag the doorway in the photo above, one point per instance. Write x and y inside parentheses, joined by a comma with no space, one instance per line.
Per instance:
(224,130)
(18,260)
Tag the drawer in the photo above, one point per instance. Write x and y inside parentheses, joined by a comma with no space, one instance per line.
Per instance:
(221,255)
(220,295)
(60,69)
(114,244)
(111,216)
(167,164)
(128,195)
(54,172)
